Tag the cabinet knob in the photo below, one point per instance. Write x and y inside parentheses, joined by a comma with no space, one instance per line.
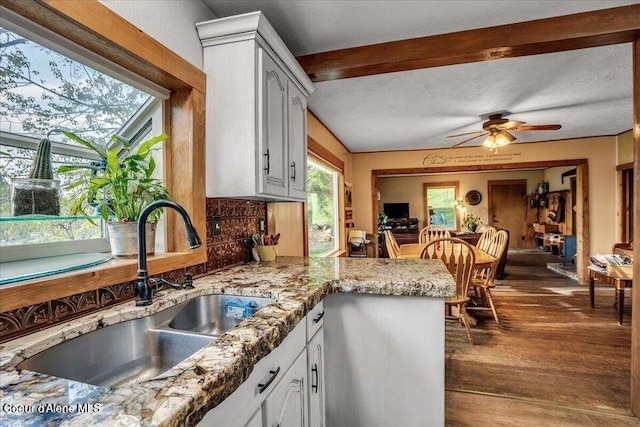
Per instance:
(293,171)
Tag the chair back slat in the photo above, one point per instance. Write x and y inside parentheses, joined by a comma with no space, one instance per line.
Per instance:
(486,238)
(499,244)
(392,245)
(433,232)
(459,258)
(495,248)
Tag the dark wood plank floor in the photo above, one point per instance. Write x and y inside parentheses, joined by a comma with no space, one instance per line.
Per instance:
(551,361)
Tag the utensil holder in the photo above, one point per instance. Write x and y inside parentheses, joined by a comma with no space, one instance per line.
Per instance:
(266,252)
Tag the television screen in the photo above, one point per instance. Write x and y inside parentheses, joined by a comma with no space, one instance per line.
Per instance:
(396,210)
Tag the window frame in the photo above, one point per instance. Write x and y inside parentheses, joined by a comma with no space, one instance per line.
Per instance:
(141,120)
(96,28)
(449,184)
(145,120)
(337,177)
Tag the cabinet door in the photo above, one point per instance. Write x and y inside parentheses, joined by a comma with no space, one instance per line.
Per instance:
(297,143)
(286,404)
(256,419)
(272,129)
(315,373)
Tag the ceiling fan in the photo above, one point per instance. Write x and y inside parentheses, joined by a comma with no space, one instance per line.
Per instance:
(499,130)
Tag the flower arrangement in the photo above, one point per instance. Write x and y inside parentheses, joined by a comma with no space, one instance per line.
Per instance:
(471,222)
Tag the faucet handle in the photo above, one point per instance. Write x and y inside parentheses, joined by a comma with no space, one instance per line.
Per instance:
(188,281)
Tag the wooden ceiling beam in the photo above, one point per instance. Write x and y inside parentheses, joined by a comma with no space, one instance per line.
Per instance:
(557,34)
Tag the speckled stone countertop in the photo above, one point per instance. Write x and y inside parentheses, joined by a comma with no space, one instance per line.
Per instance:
(182,395)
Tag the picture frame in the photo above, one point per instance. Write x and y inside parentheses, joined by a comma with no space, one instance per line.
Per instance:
(348,195)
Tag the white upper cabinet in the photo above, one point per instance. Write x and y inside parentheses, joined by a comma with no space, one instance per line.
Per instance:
(256,123)
(297,143)
(272,127)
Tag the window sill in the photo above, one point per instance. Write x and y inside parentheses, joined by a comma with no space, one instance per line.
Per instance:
(338,253)
(30,292)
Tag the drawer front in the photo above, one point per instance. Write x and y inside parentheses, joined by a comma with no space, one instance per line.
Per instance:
(243,402)
(315,320)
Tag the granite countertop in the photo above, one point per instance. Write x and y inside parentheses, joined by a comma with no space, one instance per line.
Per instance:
(185,393)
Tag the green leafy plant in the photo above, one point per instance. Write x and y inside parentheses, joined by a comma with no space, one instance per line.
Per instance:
(382,221)
(471,222)
(121,184)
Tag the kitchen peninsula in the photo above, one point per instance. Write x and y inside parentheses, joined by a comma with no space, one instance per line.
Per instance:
(369,304)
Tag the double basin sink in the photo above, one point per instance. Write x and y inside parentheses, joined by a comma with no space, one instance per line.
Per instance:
(142,349)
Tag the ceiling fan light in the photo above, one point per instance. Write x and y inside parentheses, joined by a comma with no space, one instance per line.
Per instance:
(504,138)
(490,142)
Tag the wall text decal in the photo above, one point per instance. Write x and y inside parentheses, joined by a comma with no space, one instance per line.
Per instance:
(440,159)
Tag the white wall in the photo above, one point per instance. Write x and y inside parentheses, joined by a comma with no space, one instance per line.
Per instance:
(170,22)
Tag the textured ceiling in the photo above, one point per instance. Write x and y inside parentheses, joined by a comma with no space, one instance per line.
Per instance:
(587,91)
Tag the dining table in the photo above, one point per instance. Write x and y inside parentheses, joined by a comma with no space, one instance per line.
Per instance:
(413,251)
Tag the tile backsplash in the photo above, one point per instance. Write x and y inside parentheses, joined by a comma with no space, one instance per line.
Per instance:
(238,219)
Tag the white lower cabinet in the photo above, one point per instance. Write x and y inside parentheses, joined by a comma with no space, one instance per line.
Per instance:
(278,391)
(315,373)
(256,419)
(286,404)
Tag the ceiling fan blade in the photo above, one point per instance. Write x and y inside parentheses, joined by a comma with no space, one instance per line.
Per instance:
(464,134)
(511,124)
(535,127)
(467,140)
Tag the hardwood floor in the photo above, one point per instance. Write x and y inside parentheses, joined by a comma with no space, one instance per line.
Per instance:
(551,361)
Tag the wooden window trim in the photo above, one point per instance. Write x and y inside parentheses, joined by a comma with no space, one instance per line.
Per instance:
(320,152)
(96,28)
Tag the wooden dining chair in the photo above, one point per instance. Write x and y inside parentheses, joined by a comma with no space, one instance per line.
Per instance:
(459,258)
(484,279)
(433,232)
(486,238)
(392,245)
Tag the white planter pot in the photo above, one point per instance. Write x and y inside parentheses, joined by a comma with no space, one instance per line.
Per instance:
(123,237)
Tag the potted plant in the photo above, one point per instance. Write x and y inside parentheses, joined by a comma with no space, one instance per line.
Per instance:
(382,221)
(39,193)
(118,188)
(471,222)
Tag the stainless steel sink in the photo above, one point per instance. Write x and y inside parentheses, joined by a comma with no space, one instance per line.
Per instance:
(141,349)
(216,314)
(120,354)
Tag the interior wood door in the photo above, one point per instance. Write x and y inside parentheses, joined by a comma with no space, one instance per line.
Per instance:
(508,209)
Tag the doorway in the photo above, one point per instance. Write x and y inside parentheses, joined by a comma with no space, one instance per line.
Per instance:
(508,209)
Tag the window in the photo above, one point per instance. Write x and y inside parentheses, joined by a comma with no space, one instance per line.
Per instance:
(440,204)
(43,90)
(322,208)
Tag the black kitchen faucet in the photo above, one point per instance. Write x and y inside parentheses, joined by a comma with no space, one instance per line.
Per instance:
(144,289)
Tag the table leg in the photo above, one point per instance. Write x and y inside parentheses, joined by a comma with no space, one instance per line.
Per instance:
(591,291)
(620,304)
